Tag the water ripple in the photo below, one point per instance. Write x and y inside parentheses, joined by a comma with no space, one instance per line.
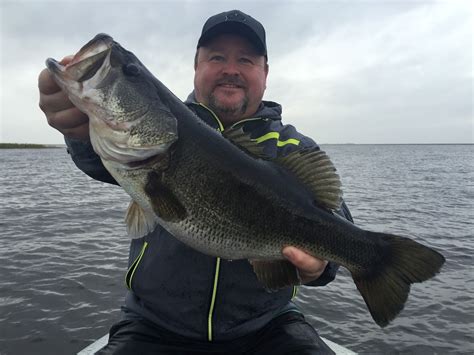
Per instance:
(63,240)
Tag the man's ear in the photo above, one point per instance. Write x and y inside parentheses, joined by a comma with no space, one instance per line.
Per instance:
(266,69)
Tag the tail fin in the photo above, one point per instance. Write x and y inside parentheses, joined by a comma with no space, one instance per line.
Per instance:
(385,288)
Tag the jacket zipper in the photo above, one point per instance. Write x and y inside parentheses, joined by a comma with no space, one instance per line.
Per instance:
(213,300)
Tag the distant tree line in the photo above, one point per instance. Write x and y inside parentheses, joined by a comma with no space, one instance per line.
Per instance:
(22,146)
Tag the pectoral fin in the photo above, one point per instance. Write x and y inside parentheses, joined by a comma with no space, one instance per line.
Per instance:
(164,202)
(276,274)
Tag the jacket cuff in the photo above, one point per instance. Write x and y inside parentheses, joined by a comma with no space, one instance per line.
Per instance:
(328,275)
(87,160)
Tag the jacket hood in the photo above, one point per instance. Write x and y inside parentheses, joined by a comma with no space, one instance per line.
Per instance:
(267,109)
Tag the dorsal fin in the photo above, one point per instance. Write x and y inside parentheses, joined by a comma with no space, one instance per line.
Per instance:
(311,166)
(243,140)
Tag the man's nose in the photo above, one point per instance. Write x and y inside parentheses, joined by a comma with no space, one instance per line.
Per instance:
(231,68)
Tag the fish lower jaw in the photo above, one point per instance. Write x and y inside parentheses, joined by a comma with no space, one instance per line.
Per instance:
(145,162)
(120,154)
(132,159)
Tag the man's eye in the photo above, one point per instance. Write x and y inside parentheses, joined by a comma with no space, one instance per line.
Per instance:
(217,58)
(245,60)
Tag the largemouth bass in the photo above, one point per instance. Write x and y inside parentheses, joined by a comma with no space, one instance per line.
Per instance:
(218,193)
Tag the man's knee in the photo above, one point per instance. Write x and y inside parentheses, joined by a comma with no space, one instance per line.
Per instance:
(291,334)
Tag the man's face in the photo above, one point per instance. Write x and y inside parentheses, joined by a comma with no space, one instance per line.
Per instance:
(230,77)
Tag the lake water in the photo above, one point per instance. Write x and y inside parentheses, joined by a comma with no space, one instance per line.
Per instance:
(63,250)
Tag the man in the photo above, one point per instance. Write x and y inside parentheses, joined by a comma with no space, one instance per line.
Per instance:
(179,300)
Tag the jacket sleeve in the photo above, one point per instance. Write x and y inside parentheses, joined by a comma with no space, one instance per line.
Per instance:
(87,160)
(298,141)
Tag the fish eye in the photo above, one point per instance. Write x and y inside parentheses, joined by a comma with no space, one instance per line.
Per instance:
(131,69)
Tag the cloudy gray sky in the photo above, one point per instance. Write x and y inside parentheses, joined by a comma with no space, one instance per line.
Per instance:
(345,71)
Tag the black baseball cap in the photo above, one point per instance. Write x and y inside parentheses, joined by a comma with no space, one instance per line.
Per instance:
(235,22)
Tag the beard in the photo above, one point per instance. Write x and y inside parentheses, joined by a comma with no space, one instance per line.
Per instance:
(222,109)
(236,110)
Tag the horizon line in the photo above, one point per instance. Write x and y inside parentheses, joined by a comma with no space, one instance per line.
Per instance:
(347,143)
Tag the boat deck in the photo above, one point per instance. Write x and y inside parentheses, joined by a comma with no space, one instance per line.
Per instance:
(100,343)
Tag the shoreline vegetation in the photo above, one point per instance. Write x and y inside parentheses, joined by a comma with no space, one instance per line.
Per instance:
(29,146)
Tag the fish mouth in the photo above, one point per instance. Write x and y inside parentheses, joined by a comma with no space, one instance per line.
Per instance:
(86,62)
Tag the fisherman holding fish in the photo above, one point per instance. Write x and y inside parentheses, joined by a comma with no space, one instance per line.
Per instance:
(193,189)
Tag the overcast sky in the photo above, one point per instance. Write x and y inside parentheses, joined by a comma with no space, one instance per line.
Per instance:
(344,71)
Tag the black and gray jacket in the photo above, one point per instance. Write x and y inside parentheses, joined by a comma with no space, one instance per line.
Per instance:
(192,294)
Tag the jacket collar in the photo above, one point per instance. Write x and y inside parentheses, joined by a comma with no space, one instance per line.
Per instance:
(267,109)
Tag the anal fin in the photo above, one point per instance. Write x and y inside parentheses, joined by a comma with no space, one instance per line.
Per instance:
(276,274)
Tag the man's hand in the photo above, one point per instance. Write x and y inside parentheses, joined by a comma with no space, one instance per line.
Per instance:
(60,112)
(309,267)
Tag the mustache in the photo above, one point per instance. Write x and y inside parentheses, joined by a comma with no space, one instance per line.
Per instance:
(231,80)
